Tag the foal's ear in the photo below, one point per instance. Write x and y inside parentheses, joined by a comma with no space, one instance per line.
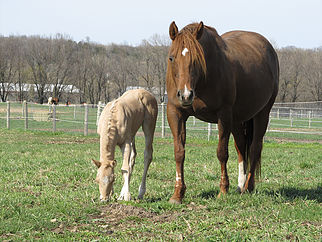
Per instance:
(199,30)
(173,30)
(97,163)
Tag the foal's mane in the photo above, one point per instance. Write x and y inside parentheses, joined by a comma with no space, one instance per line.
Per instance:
(186,39)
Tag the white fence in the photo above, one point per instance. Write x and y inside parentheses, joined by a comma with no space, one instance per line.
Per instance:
(83,118)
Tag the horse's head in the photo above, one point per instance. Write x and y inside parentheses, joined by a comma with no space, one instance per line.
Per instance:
(105,178)
(186,63)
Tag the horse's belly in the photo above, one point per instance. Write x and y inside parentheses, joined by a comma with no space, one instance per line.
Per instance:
(251,101)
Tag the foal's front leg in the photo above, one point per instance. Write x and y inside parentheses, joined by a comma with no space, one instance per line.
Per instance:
(126,172)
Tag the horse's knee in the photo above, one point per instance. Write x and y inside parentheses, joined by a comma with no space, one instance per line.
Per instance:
(222,155)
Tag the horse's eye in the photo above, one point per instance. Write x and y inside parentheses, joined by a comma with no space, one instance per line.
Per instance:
(171,58)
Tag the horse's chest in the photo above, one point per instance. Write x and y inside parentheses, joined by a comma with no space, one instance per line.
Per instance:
(204,111)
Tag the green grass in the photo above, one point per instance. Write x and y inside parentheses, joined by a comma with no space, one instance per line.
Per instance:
(47,192)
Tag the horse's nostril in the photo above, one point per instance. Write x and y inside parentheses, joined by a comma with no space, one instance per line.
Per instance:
(191,95)
(179,94)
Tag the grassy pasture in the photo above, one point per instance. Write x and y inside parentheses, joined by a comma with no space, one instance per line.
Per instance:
(47,192)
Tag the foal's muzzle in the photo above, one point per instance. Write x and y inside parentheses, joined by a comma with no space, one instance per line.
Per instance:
(186,96)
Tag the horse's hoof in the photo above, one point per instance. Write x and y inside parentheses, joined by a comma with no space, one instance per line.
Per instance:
(175,201)
(221,194)
(240,190)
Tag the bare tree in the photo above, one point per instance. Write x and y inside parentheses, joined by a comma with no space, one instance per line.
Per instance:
(8,66)
(39,58)
(313,74)
(61,67)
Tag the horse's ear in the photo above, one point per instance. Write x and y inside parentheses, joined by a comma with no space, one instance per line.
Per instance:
(173,30)
(199,30)
(97,163)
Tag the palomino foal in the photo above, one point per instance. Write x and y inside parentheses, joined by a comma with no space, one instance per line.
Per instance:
(118,124)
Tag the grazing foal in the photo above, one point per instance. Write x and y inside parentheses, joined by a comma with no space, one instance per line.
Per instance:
(118,124)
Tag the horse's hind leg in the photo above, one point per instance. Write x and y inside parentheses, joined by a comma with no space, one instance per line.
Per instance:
(260,126)
(240,145)
(148,129)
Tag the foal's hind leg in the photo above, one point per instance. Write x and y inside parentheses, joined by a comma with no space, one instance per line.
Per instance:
(148,129)
(240,145)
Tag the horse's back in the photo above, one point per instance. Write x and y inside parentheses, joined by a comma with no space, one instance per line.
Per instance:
(249,49)
(256,69)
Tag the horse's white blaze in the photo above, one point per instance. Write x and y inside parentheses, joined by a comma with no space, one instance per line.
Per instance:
(241,175)
(185,50)
(186,92)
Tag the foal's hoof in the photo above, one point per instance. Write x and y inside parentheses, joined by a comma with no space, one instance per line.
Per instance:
(240,190)
(175,201)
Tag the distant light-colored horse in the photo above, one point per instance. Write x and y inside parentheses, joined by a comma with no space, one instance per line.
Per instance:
(118,124)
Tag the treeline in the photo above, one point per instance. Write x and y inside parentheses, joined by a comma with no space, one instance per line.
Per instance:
(78,72)
(89,72)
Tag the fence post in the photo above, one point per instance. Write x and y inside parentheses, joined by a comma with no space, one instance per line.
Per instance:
(278,113)
(291,117)
(162,120)
(194,120)
(8,115)
(26,114)
(74,111)
(86,120)
(98,112)
(23,109)
(310,118)
(54,117)
(209,131)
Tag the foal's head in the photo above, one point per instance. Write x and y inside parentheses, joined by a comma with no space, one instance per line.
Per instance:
(186,63)
(105,178)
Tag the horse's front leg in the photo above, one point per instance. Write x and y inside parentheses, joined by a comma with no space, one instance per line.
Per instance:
(224,129)
(126,172)
(177,124)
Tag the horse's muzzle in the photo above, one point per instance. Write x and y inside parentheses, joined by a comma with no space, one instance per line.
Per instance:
(185,96)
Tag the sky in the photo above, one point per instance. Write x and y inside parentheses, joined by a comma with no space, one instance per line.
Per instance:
(283,22)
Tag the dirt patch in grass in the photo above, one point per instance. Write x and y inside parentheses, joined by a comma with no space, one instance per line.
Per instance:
(116,216)
(120,217)
(290,140)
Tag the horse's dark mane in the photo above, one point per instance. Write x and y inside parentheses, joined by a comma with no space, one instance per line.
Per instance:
(186,39)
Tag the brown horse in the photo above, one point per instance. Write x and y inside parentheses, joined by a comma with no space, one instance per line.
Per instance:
(231,80)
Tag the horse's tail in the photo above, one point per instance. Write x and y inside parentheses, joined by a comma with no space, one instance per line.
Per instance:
(249,131)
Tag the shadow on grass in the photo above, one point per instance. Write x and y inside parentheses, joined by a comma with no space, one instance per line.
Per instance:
(291,193)
(209,194)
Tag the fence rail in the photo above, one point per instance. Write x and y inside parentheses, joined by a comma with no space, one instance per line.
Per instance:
(84,118)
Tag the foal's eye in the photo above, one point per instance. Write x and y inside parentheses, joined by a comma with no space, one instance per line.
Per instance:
(171,58)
